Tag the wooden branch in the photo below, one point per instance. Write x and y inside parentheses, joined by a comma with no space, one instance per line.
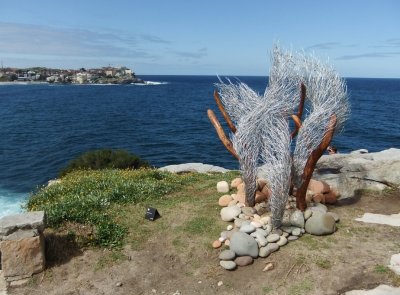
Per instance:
(312,161)
(297,119)
(223,112)
(221,134)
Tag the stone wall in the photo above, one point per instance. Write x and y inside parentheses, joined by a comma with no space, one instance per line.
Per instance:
(22,246)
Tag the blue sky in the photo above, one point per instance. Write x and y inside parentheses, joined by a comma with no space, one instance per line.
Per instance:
(361,38)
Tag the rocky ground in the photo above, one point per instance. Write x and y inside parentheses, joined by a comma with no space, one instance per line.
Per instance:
(354,257)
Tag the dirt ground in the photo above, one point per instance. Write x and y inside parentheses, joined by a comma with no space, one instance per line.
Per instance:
(354,257)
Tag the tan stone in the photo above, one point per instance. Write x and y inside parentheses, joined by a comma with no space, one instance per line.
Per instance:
(260,197)
(241,198)
(20,258)
(236,182)
(318,187)
(266,191)
(216,244)
(241,188)
(261,183)
(224,200)
(318,198)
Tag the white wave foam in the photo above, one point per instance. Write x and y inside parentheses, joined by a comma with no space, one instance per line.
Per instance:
(150,83)
(11,202)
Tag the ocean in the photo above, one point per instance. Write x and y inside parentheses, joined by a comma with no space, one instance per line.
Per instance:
(44,126)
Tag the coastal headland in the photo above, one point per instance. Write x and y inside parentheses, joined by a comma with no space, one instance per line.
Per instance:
(104,75)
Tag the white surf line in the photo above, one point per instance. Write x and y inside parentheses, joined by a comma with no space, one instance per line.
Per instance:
(393,220)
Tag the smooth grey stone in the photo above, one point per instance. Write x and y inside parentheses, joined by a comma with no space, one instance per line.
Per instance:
(320,224)
(267,250)
(287,229)
(247,228)
(228,264)
(261,240)
(296,232)
(307,213)
(271,238)
(262,231)
(277,231)
(297,219)
(248,211)
(334,215)
(238,222)
(282,241)
(243,244)
(292,238)
(230,213)
(227,255)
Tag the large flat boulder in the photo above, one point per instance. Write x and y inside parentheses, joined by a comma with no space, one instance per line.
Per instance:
(359,170)
(193,167)
(27,220)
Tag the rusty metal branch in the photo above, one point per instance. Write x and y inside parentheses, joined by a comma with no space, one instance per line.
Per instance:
(312,161)
(221,133)
(223,112)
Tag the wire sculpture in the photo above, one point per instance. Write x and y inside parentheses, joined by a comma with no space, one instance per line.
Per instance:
(260,135)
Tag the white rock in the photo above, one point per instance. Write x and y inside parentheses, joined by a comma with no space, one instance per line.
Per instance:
(395,263)
(229,227)
(223,187)
(393,220)
(229,213)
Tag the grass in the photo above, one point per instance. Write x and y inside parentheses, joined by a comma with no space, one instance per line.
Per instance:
(302,288)
(382,269)
(113,202)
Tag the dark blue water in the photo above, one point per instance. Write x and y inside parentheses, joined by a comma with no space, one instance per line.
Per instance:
(42,127)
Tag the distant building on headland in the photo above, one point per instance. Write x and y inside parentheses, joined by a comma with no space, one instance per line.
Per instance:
(104,75)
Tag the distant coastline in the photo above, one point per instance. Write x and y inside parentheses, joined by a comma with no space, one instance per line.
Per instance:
(104,75)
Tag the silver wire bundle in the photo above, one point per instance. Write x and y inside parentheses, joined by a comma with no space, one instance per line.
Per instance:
(262,140)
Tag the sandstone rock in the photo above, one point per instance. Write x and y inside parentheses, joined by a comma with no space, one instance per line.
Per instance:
(318,187)
(260,197)
(350,173)
(320,224)
(229,213)
(235,182)
(228,264)
(227,255)
(244,260)
(22,255)
(224,200)
(268,267)
(223,187)
(244,245)
(216,244)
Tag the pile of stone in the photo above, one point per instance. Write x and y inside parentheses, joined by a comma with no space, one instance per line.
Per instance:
(250,234)
(22,246)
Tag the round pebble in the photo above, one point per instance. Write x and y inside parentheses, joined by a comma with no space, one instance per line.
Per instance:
(224,200)
(228,264)
(227,255)
(229,227)
(282,241)
(216,244)
(273,238)
(220,283)
(296,232)
(247,228)
(244,260)
(292,238)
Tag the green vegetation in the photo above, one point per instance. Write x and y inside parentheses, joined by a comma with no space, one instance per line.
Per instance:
(104,159)
(302,288)
(381,269)
(111,204)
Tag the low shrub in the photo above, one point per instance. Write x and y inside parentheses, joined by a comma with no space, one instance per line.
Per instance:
(104,159)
